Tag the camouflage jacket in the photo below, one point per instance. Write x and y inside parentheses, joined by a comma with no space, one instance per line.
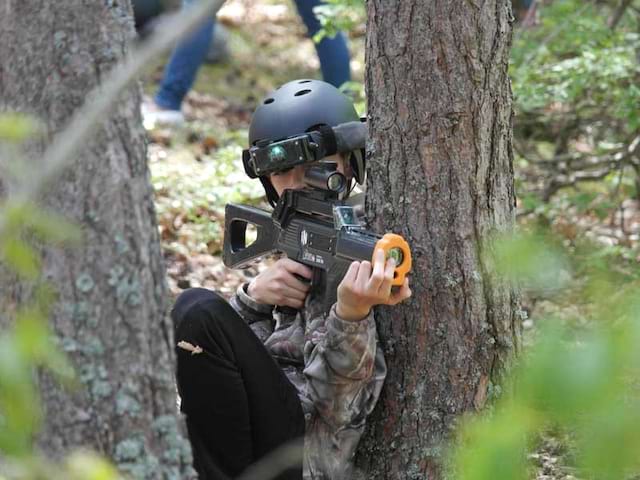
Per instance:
(337,368)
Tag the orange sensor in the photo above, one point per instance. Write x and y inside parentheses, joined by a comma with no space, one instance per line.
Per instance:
(396,247)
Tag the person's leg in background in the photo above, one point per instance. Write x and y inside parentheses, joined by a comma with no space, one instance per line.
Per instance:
(239,405)
(180,73)
(333,53)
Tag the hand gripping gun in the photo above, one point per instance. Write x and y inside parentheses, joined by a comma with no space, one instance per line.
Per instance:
(311,226)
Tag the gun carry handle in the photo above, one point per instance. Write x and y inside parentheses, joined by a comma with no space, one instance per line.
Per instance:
(236,253)
(397,247)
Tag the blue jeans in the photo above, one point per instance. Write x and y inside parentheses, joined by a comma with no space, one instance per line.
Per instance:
(181,71)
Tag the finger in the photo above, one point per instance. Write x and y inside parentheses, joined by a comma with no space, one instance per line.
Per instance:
(287,292)
(377,276)
(297,268)
(293,283)
(401,294)
(352,272)
(292,302)
(364,272)
(389,272)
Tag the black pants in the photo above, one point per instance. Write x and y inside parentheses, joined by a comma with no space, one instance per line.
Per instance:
(239,405)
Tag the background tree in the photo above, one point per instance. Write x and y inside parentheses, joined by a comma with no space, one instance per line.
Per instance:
(110,313)
(440,173)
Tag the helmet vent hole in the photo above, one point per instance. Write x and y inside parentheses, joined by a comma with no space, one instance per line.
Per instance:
(268,101)
(301,92)
(305,81)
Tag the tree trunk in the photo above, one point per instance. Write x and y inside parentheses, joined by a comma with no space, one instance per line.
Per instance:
(441,174)
(111,314)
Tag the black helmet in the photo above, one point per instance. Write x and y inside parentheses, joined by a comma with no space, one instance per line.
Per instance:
(297,107)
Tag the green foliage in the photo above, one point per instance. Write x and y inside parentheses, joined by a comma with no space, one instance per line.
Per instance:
(574,58)
(16,127)
(575,84)
(579,381)
(190,198)
(355,91)
(338,15)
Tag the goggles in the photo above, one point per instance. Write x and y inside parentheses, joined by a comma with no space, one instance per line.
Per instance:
(268,157)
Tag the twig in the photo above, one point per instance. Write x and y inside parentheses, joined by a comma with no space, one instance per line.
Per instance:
(563,181)
(102,100)
(529,17)
(618,14)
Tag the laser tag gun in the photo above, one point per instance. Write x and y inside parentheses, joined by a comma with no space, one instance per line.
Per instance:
(311,226)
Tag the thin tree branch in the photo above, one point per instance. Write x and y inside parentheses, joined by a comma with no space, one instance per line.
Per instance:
(618,14)
(103,99)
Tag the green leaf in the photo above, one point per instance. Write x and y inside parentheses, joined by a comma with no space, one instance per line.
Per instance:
(494,447)
(17,127)
(89,466)
(34,339)
(45,224)
(21,258)
(19,407)
(531,259)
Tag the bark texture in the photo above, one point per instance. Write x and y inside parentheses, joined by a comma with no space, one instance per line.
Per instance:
(440,173)
(111,314)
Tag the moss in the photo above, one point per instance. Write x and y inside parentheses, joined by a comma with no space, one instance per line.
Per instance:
(435,451)
(81,315)
(449,280)
(493,391)
(85,283)
(177,450)
(126,404)
(414,472)
(134,299)
(101,389)
(133,460)
(521,314)
(122,246)
(92,347)
(87,373)
(129,449)
(96,380)
(115,274)
(92,217)
(59,38)
(68,344)
(128,292)
(81,312)
(164,425)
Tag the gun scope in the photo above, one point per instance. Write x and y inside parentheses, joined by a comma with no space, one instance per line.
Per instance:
(325,177)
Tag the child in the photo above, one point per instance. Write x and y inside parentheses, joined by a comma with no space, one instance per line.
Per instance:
(253,377)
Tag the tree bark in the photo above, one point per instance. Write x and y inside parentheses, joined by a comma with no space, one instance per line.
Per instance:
(441,174)
(111,314)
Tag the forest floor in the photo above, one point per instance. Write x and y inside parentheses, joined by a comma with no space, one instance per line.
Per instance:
(196,168)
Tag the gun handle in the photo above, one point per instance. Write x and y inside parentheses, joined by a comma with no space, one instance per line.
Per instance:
(236,253)
(397,247)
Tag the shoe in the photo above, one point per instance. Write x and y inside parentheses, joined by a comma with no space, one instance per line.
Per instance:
(153,115)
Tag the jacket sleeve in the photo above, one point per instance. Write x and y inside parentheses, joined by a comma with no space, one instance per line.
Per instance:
(344,370)
(257,315)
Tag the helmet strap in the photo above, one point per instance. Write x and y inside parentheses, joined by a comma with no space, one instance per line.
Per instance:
(270,192)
